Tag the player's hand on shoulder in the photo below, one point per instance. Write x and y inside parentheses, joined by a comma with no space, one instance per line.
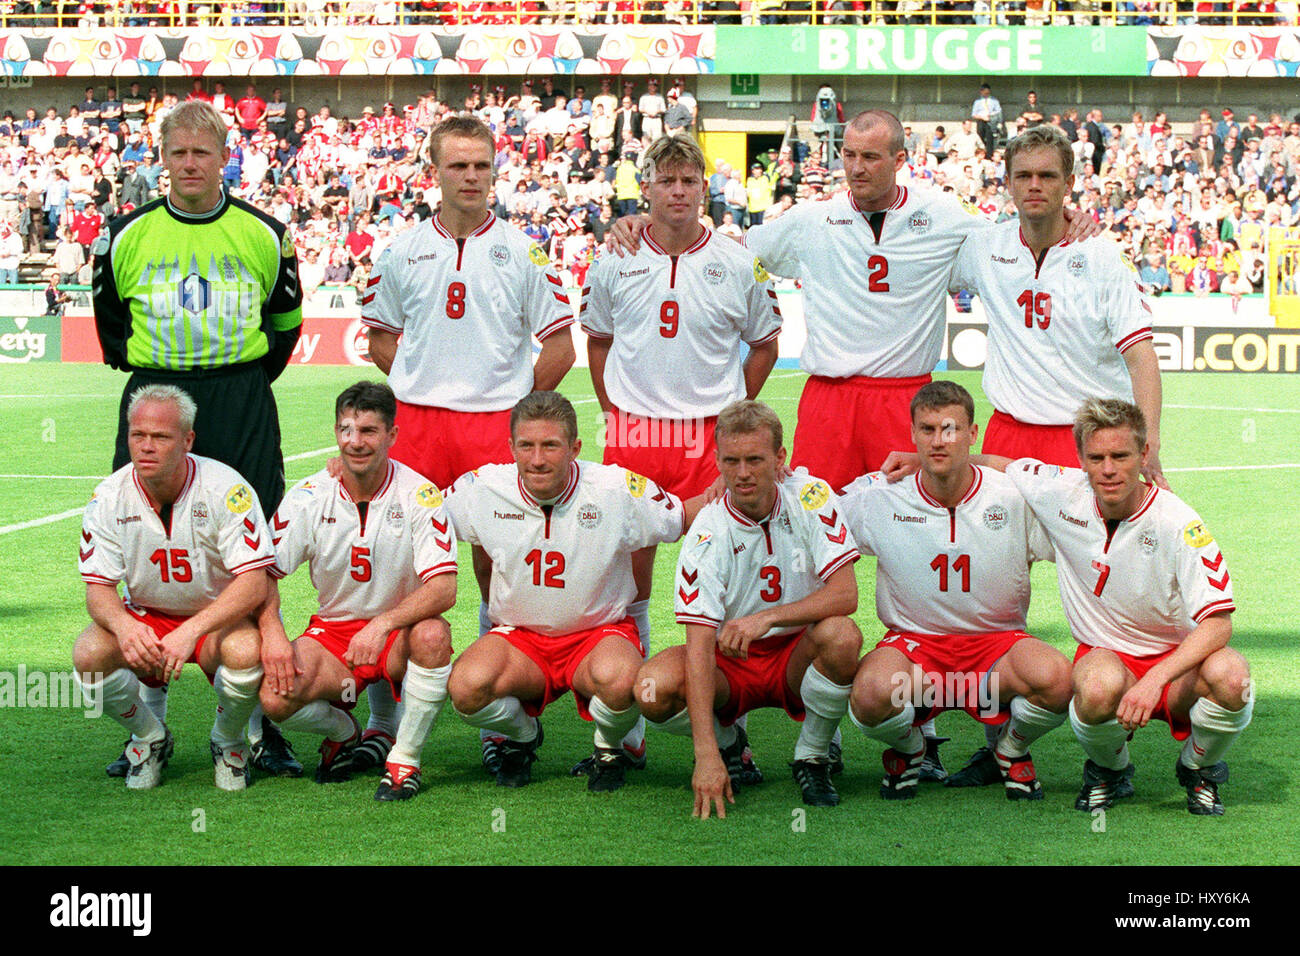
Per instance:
(1080,226)
(1154,471)
(335,467)
(712,788)
(624,236)
(899,464)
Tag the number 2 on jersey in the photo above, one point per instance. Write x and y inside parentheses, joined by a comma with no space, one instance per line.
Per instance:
(456,300)
(879,267)
(1036,304)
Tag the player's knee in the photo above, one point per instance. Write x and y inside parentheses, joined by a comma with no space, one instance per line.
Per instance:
(469,688)
(431,643)
(878,694)
(1096,697)
(654,691)
(92,651)
(1053,686)
(276,707)
(1228,676)
(613,681)
(839,646)
(241,649)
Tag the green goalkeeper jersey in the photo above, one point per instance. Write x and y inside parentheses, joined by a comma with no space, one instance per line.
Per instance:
(181,292)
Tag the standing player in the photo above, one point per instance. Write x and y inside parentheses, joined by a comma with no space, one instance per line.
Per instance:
(186,537)
(452,307)
(765,587)
(1148,597)
(383,559)
(665,330)
(1065,322)
(199,289)
(953,548)
(559,534)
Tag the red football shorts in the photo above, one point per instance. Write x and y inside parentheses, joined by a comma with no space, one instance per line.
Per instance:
(1012,438)
(442,444)
(1179,727)
(848,426)
(164,624)
(759,680)
(959,666)
(335,636)
(676,454)
(559,657)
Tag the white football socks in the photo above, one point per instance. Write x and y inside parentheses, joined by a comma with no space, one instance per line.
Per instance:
(611,725)
(1214,728)
(504,716)
(824,704)
(236,698)
(1106,744)
(1028,722)
(896,732)
(424,691)
(385,712)
(118,694)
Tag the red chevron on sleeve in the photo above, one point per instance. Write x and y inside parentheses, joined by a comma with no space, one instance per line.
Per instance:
(85,555)
(832,521)
(688,597)
(278,524)
(838,538)
(444,543)
(438,526)
(1213,565)
(85,536)
(1222,583)
(248,523)
(689,576)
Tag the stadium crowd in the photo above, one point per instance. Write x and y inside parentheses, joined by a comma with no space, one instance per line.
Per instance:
(1190,209)
(322,13)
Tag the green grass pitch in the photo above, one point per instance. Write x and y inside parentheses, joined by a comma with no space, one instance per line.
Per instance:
(57,806)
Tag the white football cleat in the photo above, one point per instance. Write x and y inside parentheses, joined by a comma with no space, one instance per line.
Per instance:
(231,766)
(145,761)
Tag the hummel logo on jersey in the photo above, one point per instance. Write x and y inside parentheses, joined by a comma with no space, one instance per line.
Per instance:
(128,520)
(427,257)
(738,548)
(326,519)
(914,519)
(831,221)
(1080,522)
(1010,262)
(633,273)
(508,515)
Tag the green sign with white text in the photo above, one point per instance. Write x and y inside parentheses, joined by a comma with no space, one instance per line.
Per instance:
(934,51)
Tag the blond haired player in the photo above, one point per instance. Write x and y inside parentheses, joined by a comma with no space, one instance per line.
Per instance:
(666,328)
(452,307)
(382,555)
(186,535)
(559,534)
(1147,594)
(765,587)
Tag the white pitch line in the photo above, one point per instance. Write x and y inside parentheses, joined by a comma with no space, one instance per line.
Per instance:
(1234,467)
(68,395)
(1236,408)
(310,454)
(35,522)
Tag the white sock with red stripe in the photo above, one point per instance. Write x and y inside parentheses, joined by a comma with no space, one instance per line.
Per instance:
(424,691)
(385,711)
(236,698)
(927,729)
(611,725)
(1028,722)
(1214,728)
(896,732)
(824,704)
(118,695)
(504,716)
(322,719)
(1106,744)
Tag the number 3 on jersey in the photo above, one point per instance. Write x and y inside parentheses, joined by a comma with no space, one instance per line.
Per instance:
(456,300)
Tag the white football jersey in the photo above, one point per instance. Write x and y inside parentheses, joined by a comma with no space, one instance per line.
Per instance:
(362,567)
(466,311)
(565,566)
(940,570)
(1139,590)
(677,323)
(1058,327)
(731,566)
(872,307)
(217,532)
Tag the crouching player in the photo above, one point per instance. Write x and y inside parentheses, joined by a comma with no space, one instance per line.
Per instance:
(1148,597)
(558,534)
(186,535)
(383,560)
(953,546)
(765,587)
